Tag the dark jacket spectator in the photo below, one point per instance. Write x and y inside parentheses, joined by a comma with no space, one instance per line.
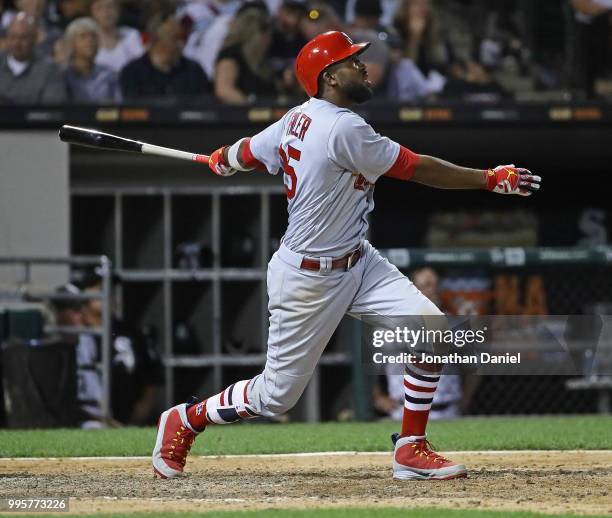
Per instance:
(25,78)
(243,69)
(86,81)
(287,41)
(62,12)
(287,37)
(163,71)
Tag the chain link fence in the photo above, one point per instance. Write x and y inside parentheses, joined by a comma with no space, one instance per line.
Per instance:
(523,281)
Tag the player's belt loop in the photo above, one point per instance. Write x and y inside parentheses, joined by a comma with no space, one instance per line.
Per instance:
(325,264)
(349,261)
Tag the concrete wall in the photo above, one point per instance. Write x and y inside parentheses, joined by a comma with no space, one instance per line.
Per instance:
(34,201)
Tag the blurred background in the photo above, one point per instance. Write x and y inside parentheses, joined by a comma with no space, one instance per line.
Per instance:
(128,283)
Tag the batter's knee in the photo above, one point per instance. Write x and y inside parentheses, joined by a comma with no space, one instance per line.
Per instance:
(274,394)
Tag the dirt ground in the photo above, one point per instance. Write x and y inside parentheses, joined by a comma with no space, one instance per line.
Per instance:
(551,482)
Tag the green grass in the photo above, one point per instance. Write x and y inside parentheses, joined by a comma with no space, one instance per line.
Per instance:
(515,433)
(384,512)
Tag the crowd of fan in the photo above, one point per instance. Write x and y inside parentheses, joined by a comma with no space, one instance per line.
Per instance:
(239,51)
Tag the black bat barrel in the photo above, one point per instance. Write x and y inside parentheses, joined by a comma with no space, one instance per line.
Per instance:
(93,138)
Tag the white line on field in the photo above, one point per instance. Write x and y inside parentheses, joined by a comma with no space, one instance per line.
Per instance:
(319,454)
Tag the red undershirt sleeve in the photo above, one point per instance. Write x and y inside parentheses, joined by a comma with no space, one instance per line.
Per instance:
(248,159)
(403,169)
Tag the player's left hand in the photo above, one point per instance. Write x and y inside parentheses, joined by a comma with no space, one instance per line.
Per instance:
(218,164)
(509,179)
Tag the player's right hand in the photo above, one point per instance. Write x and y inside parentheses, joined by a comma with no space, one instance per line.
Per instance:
(509,179)
(218,164)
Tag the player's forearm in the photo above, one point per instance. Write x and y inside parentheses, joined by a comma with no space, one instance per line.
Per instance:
(434,172)
(228,160)
(239,155)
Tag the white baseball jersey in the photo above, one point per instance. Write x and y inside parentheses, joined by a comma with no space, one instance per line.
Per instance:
(330,158)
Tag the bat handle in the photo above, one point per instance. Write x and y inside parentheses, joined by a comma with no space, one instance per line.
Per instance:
(203,159)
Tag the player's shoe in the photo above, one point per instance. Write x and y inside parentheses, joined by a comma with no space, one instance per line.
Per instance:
(174,439)
(414,459)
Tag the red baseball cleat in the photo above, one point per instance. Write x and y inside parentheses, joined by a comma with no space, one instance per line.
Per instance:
(174,439)
(415,460)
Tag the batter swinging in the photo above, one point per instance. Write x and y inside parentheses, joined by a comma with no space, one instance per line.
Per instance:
(331,159)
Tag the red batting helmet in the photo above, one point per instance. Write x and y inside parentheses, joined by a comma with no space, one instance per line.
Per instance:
(319,53)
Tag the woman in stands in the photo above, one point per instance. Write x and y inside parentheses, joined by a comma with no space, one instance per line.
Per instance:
(118,45)
(243,71)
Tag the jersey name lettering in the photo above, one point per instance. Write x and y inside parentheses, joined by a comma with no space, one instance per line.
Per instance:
(298,125)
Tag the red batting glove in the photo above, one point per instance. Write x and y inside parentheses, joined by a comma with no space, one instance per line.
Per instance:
(508,179)
(218,164)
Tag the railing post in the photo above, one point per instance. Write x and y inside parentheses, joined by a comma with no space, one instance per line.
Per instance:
(106,272)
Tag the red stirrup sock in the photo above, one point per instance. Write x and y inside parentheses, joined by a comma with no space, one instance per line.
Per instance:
(419,391)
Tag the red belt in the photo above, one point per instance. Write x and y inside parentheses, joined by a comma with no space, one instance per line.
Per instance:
(342,263)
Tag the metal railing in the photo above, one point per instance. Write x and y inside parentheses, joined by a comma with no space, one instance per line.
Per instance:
(104,269)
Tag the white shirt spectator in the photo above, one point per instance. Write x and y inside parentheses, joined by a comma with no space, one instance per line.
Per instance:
(203,46)
(204,12)
(408,84)
(128,48)
(17,67)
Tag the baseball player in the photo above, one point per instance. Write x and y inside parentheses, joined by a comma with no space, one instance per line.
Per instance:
(330,159)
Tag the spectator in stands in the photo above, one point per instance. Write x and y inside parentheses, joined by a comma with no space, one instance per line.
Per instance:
(423,44)
(287,37)
(416,74)
(24,77)
(68,10)
(199,15)
(591,52)
(69,313)
(368,15)
(321,18)
(205,41)
(502,36)
(47,35)
(85,80)
(287,41)
(428,65)
(367,27)
(163,71)
(118,45)
(388,7)
(244,72)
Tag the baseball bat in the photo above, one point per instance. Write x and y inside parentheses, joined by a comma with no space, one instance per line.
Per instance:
(97,139)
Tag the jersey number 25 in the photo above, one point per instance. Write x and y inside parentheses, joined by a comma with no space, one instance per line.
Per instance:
(291,181)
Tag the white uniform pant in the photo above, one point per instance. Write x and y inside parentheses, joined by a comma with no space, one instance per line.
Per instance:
(305,309)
